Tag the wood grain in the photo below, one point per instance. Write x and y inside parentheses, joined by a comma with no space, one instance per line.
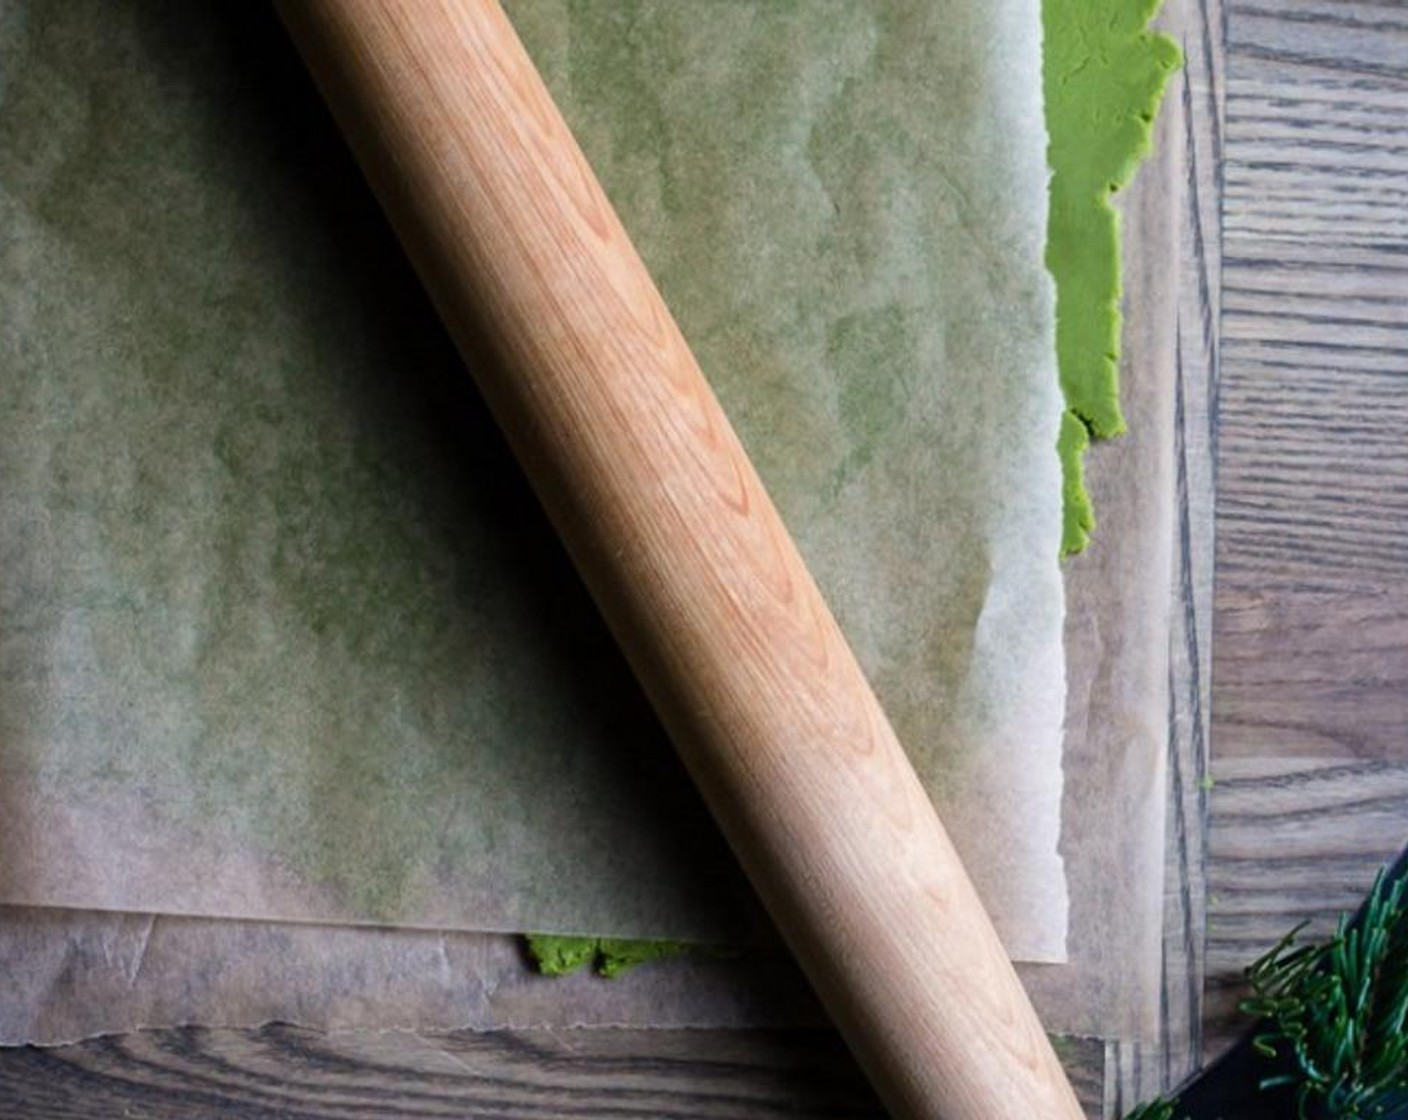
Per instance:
(1311,636)
(683,552)
(1290,842)
(291,1074)
(1349,42)
(1312,511)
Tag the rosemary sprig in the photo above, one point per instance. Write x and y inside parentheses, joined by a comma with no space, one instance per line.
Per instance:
(1339,1011)
(1331,1038)
(1158,1109)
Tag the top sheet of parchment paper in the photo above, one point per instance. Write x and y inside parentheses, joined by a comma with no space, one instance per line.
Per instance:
(282,633)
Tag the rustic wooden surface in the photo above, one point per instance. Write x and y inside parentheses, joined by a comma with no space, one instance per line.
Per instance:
(1311,644)
(1310,680)
(292,1074)
(1313,492)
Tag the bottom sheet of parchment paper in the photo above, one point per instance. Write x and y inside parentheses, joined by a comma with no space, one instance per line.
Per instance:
(70,974)
(66,975)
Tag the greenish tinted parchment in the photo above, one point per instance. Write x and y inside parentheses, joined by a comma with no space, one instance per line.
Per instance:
(844,206)
(1104,78)
(282,630)
(284,634)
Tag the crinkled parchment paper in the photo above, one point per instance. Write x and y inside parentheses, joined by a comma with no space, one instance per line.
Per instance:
(282,634)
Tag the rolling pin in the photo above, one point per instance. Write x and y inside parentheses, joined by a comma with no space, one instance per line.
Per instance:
(683,551)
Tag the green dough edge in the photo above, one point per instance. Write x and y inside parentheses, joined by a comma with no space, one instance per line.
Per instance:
(1077,510)
(558,954)
(1104,78)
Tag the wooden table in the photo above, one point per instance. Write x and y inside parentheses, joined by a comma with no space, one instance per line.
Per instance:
(1310,681)
(1307,791)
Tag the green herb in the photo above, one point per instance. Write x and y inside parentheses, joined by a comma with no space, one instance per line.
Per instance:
(1339,1012)
(1331,1037)
(1158,1109)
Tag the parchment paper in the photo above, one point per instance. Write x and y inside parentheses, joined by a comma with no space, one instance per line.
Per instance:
(66,975)
(282,634)
(1117,646)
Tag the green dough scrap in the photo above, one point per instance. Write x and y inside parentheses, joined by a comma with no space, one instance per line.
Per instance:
(1078,514)
(617,955)
(558,955)
(1105,73)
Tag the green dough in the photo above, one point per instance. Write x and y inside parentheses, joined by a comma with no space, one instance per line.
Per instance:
(557,955)
(1078,515)
(1105,74)
(615,955)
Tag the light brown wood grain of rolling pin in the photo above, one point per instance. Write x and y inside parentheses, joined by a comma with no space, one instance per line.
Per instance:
(682,548)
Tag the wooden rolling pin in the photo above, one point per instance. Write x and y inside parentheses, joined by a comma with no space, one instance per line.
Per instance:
(682,549)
